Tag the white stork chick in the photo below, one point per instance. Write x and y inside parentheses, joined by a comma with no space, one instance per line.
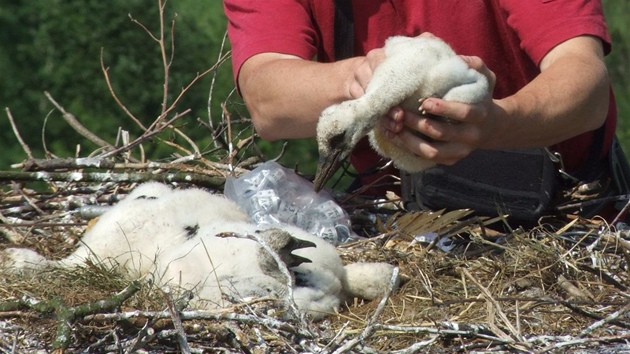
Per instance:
(175,237)
(414,69)
(151,220)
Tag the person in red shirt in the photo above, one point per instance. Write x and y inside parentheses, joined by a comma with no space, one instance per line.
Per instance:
(544,59)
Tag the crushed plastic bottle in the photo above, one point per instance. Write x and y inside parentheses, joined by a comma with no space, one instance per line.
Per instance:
(273,195)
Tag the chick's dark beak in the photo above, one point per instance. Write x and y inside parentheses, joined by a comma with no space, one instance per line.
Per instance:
(326,168)
(293,260)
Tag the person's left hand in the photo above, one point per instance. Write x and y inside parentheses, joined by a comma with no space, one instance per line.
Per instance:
(468,126)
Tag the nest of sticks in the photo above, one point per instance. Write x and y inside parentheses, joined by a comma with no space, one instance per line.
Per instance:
(548,289)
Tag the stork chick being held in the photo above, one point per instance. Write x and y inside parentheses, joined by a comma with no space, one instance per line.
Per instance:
(414,68)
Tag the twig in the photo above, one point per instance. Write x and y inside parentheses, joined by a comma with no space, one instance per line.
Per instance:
(166,63)
(582,341)
(47,153)
(77,126)
(623,212)
(145,136)
(573,307)
(105,163)
(610,318)
(228,117)
(115,96)
(220,59)
(415,348)
(145,335)
(213,273)
(289,281)
(179,97)
(338,338)
(64,163)
(16,132)
(177,321)
(452,330)
(194,146)
(608,278)
(541,300)
(616,240)
(101,341)
(237,338)
(28,200)
(371,325)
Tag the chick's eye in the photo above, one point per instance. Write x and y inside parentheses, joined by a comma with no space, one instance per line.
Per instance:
(337,140)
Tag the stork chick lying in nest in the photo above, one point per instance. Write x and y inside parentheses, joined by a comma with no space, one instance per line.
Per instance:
(178,238)
(414,69)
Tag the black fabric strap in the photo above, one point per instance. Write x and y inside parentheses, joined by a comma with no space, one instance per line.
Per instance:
(344,29)
(594,165)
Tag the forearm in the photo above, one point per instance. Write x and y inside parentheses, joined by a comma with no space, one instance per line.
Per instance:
(285,94)
(569,97)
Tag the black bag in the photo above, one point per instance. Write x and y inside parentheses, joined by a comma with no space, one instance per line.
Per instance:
(522,183)
(620,172)
(525,184)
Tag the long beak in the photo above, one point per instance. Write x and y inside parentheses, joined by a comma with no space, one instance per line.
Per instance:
(326,168)
(293,260)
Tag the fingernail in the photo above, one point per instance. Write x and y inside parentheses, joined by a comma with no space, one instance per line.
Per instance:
(427,106)
(396,113)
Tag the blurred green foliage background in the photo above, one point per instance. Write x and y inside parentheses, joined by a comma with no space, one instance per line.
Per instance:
(55,46)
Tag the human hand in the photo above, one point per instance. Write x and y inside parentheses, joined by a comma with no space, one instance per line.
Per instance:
(446,141)
(363,70)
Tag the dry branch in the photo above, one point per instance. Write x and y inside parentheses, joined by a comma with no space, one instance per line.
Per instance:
(16,132)
(77,126)
(612,318)
(68,163)
(66,315)
(177,321)
(99,177)
(64,164)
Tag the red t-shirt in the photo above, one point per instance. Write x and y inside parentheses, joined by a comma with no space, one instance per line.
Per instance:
(510,36)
